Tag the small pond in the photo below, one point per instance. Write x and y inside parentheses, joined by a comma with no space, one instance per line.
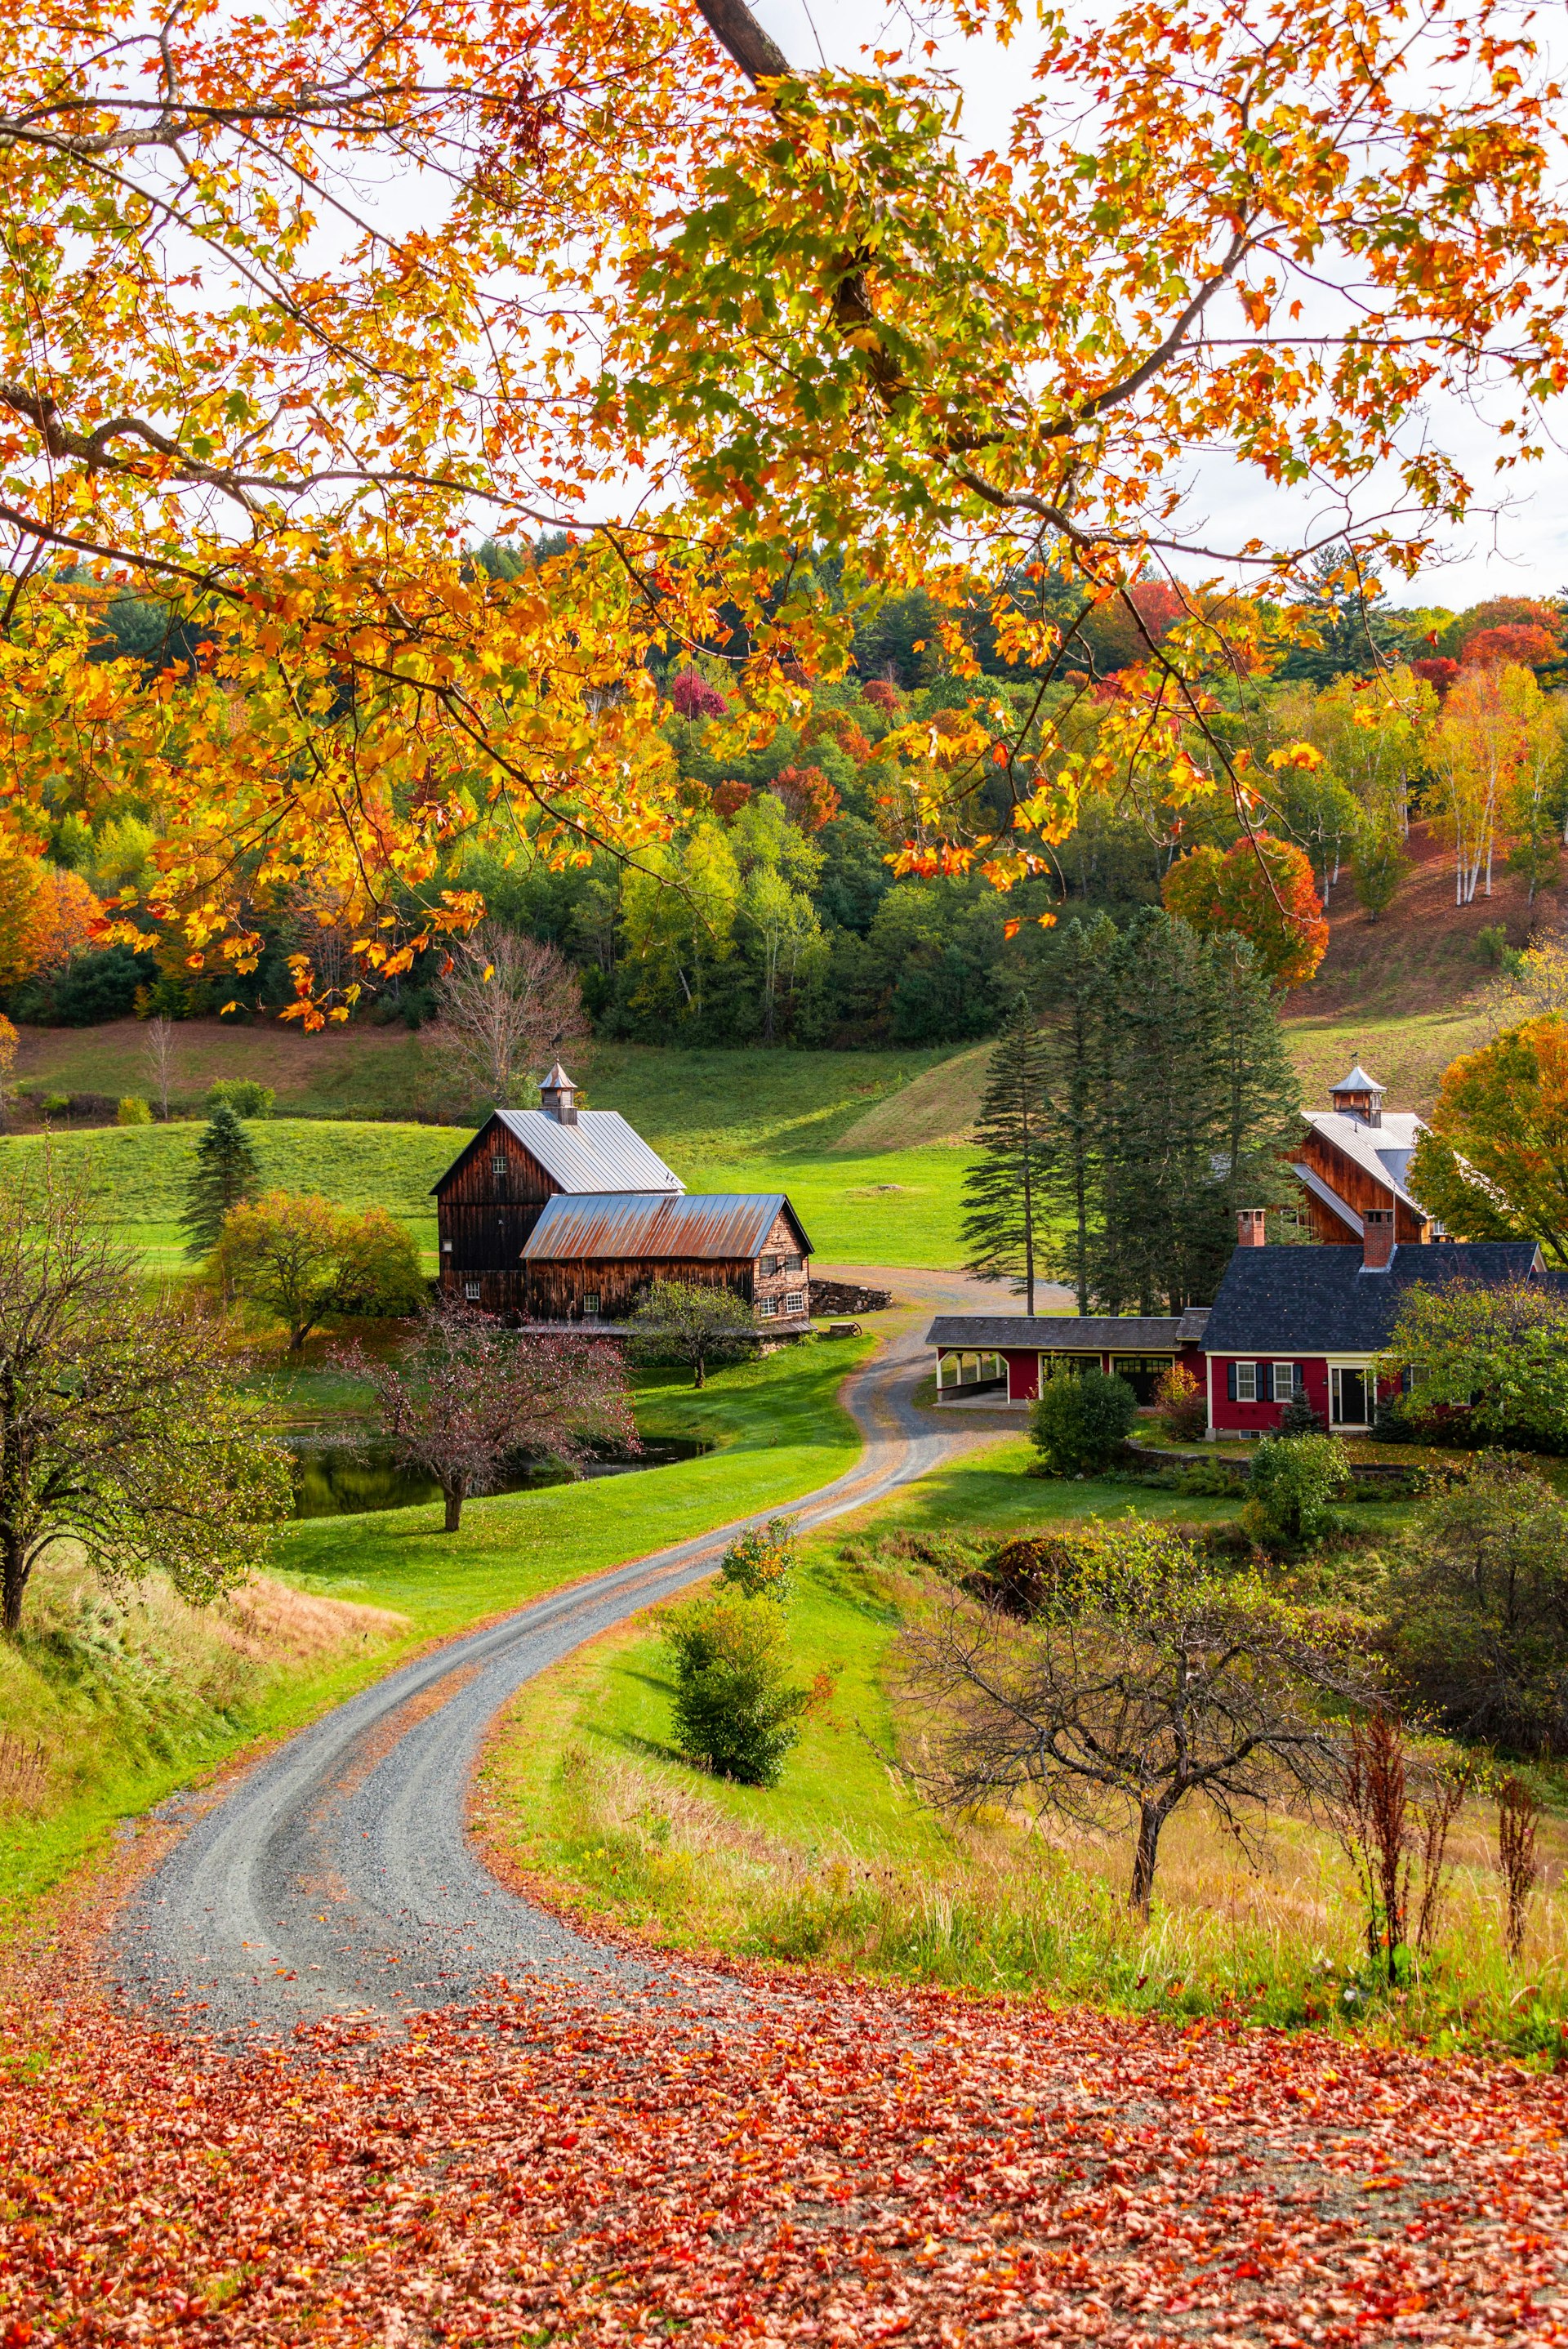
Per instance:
(342,1475)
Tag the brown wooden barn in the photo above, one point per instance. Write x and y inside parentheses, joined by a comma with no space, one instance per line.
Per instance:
(589,1260)
(1353,1161)
(509,1245)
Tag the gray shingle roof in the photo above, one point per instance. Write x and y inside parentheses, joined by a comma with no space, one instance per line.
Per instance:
(1320,1301)
(700,1225)
(1108,1333)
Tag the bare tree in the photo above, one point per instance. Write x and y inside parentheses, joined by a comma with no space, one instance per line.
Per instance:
(1146,1682)
(508,1005)
(159,1050)
(468,1395)
(121,1429)
(1517,1816)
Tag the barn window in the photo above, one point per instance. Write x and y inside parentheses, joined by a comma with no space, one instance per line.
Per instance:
(767,1308)
(767,1266)
(471,1291)
(795,1302)
(498,1165)
(591,1301)
(793,1264)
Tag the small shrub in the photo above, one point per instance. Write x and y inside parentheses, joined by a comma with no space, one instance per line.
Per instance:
(735,1710)
(1180,1404)
(56,1105)
(133,1110)
(761,1563)
(243,1096)
(1038,1575)
(1081,1421)
(1491,946)
(1292,1485)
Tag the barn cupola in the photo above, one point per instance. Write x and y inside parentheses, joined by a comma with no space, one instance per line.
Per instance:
(558,1097)
(1358,1096)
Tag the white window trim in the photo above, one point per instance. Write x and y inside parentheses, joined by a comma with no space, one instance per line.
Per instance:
(795,1301)
(1362,1362)
(768,1309)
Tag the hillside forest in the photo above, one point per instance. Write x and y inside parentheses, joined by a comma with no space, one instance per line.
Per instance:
(799,914)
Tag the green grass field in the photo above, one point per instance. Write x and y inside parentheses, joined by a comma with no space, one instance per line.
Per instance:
(126,1702)
(724,1121)
(844,1864)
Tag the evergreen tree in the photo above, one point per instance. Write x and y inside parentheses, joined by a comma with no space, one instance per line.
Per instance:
(1004,1190)
(1170,1096)
(225,1173)
(1260,1102)
(1074,1033)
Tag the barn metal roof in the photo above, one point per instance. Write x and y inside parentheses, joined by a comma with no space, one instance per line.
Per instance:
(700,1225)
(601,1153)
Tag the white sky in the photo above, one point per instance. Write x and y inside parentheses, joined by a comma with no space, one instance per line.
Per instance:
(1519,549)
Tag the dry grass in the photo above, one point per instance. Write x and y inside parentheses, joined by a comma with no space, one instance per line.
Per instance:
(272,1624)
(1275,1931)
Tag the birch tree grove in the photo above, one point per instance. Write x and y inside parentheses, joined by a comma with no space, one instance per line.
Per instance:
(668,309)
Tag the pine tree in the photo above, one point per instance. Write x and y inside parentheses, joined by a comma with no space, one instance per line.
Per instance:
(1075,1035)
(226,1172)
(1004,1189)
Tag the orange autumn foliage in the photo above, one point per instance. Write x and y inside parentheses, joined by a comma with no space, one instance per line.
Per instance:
(1262,889)
(45,914)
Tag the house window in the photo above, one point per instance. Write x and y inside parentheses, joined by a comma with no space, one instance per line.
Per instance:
(471,1291)
(767,1308)
(591,1301)
(1289,1383)
(1347,1396)
(767,1266)
(793,1264)
(1243,1382)
(795,1302)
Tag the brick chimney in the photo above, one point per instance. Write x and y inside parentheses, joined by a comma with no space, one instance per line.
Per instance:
(1377,1239)
(1249,1227)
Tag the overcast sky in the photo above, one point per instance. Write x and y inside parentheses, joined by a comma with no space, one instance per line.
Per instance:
(1521,549)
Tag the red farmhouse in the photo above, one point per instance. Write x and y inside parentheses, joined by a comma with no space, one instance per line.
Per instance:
(1286,1321)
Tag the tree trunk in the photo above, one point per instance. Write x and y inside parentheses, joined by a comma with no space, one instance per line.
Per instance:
(452,1494)
(13,1550)
(1151,1819)
(701,1378)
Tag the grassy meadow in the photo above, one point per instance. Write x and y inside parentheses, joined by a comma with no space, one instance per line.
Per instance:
(839,1865)
(110,1702)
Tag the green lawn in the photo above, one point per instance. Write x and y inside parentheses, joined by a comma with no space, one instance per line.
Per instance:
(779,1431)
(128,1702)
(843,1864)
(724,1121)
(138,1173)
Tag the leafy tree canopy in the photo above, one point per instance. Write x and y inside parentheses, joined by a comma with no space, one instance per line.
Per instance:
(796,302)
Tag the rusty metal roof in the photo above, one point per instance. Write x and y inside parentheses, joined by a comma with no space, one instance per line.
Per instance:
(701,1227)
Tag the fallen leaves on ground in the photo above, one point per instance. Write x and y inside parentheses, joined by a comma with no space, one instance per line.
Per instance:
(835,2165)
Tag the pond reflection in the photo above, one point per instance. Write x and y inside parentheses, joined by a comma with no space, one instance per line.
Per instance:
(347,1476)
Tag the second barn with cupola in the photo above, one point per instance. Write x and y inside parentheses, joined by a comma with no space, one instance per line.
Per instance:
(566,1213)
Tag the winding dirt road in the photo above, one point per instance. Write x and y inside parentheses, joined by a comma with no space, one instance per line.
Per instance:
(336,1877)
